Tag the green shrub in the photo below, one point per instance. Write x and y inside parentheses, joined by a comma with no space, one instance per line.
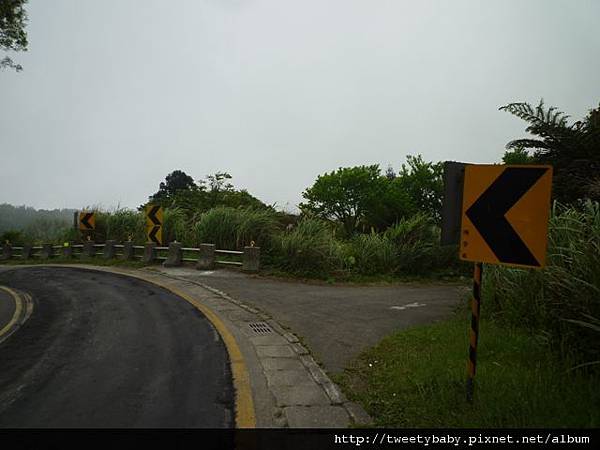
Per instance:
(309,249)
(568,289)
(13,237)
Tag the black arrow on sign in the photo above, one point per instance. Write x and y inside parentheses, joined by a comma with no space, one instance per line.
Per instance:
(84,221)
(152,235)
(152,215)
(488,214)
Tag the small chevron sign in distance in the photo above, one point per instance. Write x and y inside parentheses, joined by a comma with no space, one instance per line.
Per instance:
(154,220)
(87,221)
(505,214)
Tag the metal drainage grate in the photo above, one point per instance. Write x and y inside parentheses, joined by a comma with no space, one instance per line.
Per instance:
(260,327)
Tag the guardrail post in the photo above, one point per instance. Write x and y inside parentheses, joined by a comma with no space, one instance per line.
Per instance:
(109,249)
(47,251)
(27,251)
(6,251)
(250,259)
(88,249)
(206,260)
(149,252)
(127,251)
(67,250)
(174,256)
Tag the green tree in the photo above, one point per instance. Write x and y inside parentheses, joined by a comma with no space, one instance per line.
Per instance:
(215,190)
(346,195)
(517,155)
(424,184)
(572,149)
(12,30)
(393,204)
(175,183)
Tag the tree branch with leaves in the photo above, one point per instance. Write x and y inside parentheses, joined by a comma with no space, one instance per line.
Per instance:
(13,36)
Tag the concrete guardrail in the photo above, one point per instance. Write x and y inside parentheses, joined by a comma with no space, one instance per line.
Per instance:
(204,257)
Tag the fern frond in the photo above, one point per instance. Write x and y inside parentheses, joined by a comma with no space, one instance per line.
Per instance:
(526,143)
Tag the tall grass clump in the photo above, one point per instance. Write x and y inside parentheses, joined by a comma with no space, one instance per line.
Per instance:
(218,226)
(415,241)
(233,228)
(119,225)
(555,301)
(175,226)
(257,226)
(308,249)
(373,254)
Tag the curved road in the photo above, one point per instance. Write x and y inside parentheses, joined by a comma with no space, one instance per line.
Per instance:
(103,350)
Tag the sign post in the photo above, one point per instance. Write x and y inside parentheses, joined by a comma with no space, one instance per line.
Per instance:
(505,211)
(474,334)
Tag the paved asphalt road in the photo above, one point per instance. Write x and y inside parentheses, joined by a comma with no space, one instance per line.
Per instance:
(103,350)
(337,322)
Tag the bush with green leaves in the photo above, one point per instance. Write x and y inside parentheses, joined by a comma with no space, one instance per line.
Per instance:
(555,301)
(13,237)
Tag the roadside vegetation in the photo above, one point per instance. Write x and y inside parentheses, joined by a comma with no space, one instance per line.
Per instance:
(416,378)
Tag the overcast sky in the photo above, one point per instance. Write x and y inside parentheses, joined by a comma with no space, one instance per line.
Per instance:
(116,94)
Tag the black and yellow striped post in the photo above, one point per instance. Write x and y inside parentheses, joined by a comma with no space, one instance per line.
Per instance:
(474,335)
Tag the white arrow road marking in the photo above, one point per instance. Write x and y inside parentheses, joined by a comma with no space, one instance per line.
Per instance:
(410,305)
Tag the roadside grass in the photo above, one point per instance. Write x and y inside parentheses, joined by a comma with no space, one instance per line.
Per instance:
(360,279)
(416,378)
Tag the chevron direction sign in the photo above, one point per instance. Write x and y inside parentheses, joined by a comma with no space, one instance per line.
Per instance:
(505,212)
(87,221)
(154,221)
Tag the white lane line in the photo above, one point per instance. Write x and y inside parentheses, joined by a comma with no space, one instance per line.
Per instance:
(410,305)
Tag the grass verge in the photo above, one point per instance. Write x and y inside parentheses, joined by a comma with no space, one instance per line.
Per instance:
(416,378)
(358,279)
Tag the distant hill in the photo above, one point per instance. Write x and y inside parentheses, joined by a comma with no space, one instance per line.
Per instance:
(26,218)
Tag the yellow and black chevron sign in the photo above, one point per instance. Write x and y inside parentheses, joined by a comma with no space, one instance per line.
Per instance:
(87,221)
(154,221)
(505,214)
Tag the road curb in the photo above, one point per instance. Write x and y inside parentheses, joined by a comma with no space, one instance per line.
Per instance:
(23,310)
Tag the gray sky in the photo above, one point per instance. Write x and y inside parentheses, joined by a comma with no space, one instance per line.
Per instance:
(115,94)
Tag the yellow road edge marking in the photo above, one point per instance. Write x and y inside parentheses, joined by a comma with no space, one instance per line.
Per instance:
(245,416)
(18,307)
